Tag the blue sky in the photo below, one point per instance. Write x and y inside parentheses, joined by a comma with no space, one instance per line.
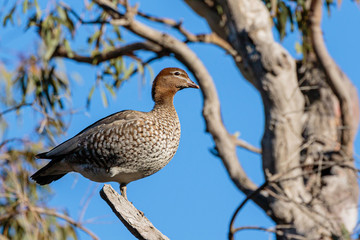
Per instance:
(192,197)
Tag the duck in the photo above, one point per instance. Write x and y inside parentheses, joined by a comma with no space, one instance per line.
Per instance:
(126,146)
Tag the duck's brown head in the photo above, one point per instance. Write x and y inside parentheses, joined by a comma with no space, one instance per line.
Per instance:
(168,82)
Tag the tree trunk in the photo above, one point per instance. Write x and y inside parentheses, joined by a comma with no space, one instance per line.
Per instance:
(311,117)
(311,113)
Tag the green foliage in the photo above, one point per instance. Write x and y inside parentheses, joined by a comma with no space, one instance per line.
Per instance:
(290,11)
(296,13)
(42,82)
(23,211)
(60,26)
(23,214)
(37,84)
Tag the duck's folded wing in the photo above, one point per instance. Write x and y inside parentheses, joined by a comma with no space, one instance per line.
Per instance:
(71,145)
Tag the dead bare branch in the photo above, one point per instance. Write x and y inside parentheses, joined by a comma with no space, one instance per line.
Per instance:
(133,219)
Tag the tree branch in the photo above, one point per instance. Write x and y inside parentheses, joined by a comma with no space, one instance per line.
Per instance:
(269,67)
(243,144)
(232,231)
(102,57)
(133,219)
(211,110)
(276,179)
(272,70)
(208,11)
(212,38)
(337,80)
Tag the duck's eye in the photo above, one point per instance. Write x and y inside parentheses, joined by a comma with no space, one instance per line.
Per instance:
(177,73)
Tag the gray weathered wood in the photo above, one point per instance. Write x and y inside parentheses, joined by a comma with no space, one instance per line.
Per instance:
(133,219)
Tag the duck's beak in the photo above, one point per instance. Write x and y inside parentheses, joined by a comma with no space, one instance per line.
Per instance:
(191,84)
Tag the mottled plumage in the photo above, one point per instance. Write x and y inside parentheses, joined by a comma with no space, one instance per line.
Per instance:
(124,146)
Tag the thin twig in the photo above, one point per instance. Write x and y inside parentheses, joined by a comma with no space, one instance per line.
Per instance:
(248,197)
(276,230)
(276,179)
(15,108)
(85,203)
(82,21)
(246,145)
(66,218)
(3,143)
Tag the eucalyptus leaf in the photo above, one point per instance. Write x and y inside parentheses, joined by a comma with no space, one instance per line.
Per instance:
(129,71)
(68,48)
(111,90)
(9,16)
(104,98)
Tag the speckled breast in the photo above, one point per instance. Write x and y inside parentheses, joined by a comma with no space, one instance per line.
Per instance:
(148,145)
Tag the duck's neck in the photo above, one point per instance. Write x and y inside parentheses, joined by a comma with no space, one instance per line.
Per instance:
(169,106)
(164,104)
(164,100)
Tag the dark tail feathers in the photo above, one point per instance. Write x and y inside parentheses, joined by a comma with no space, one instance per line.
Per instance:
(42,155)
(43,180)
(42,177)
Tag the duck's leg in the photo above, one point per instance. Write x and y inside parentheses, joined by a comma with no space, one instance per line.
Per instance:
(123,190)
